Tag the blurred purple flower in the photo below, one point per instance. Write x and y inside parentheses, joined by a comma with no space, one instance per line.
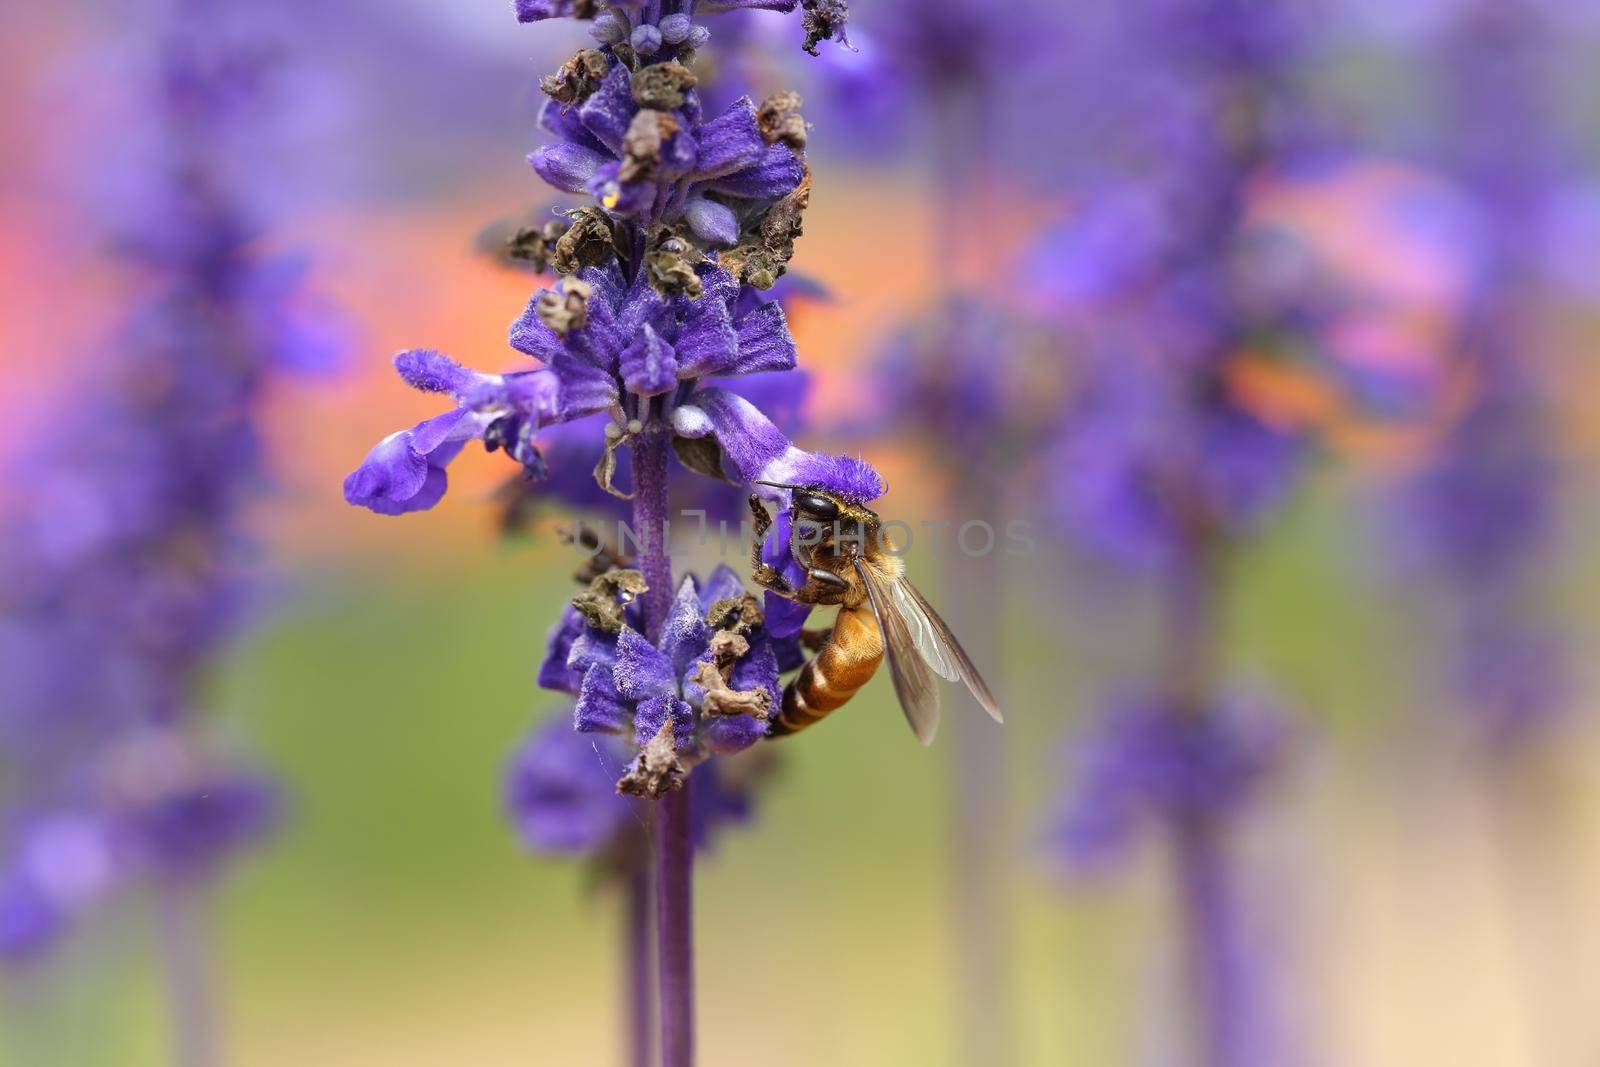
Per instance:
(561,791)
(124,573)
(1146,761)
(1143,467)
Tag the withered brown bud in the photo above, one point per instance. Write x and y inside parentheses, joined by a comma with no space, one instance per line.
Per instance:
(663,86)
(588,241)
(719,697)
(603,604)
(780,120)
(656,771)
(823,21)
(669,266)
(641,145)
(577,79)
(565,311)
(763,257)
(738,614)
(535,244)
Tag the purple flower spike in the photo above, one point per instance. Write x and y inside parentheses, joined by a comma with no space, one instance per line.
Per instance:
(1147,760)
(632,686)
(561,791)
(124,574)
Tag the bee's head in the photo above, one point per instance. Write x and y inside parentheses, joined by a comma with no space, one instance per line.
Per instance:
(818,510)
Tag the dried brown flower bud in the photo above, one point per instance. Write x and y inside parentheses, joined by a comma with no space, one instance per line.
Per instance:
(567,310)
(669,265)
(780,120)
(588,241)
(578,77)
(641,145)
(534,244)
(602,605)
(663,86)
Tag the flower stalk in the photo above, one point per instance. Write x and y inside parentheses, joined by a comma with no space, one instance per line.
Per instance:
(674,852)
(638,967)
(187,958)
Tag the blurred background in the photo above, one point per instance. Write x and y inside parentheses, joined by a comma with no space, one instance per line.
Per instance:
(1416,875)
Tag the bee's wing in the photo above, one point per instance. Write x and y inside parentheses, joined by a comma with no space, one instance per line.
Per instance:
(940,647)
(919,695)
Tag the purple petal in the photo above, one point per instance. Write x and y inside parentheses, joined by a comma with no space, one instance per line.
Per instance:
(684,635)
(712,222)
(538,10)
(602,340)
(599,709)
(406,471)
(190,832)
(707,343)
(433,372)
(642,670)
(653,713)
(568,167)
(584,388)
(751,444)
(561,791)
(530,336)
(554,671)
(619,197)
(730,142)
(765,343)
(849,476)
(727,734)
(610,109)
(776,174)
(648,366)
(592,647)
(564,122)
(785,617)
(30,922)
(723,584)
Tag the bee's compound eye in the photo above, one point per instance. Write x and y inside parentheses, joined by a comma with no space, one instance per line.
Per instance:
(819,507)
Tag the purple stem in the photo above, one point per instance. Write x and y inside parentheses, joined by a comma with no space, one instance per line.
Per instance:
(675,917)
(674,847)
(1206,909)
(639,964)
(1202,870)
(196,1037)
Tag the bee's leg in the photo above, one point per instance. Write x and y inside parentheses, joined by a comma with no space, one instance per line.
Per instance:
(827,578)
(763,575)
(813,640)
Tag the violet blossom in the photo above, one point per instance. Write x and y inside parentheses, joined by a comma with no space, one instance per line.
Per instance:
(1160,462)
(125,567)
(684,221)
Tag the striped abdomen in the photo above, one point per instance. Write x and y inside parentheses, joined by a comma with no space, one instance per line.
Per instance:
(831,677)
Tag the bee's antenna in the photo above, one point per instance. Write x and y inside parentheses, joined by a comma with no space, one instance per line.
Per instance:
(777,485)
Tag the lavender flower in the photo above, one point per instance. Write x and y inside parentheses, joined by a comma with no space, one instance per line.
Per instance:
(124,576)
(705,688)
(1477,524)
(1161,461)
(1147,762)
(662,272)
(561,792)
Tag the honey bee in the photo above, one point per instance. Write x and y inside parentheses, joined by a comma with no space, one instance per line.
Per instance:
(848,562)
